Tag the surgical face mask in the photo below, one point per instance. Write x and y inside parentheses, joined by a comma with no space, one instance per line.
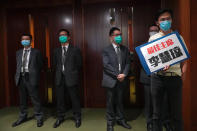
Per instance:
(25,42)
(165,25)
(151,33)
(118,39)
(63,39)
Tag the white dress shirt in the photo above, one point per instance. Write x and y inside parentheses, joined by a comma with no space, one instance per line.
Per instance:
(28,56)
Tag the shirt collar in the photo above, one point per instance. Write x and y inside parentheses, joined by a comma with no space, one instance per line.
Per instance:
(115,46)
(28,49)
(162,34)
(65,46)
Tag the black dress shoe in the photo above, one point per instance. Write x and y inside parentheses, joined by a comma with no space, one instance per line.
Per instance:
(57,123)
(150,127)
(124,124)
(19,121)
(168,127)
(78,123)
(157,125)
(110,128)
(40,123)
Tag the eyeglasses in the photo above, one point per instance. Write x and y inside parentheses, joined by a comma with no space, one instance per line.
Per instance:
(117,34)
(63,35)
(164,19)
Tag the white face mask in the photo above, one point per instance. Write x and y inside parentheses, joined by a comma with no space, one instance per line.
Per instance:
(152,33)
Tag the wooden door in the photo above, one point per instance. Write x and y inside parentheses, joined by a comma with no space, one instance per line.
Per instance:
(96,37)
(17,24)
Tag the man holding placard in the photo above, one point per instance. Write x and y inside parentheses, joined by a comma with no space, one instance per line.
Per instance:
(146,81)
(168,79)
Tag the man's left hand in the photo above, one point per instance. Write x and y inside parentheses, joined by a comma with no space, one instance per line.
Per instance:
(166,68)
(121,77)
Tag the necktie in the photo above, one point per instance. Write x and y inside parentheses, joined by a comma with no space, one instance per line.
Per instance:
(64,55)
(119,57)
(24,60)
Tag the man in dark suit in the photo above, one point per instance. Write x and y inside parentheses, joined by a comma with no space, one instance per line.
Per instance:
(67,63)
(148,107)
(146,81)
(116,66)
(29,64)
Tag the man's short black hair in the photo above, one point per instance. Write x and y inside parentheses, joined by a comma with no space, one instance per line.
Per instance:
(65,30)
(161,11)
(25,34)
(152,25)
(112,30)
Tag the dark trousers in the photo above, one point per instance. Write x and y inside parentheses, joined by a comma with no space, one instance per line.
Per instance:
(26,88)
(149,106)
(74,95)
(172,85)
(115,104)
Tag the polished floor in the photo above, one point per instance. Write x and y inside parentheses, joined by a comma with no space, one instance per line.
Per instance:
(92,120)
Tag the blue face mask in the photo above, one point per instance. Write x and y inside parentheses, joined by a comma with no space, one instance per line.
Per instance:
(63,39)
(165,25)
(25,42)
(118,39)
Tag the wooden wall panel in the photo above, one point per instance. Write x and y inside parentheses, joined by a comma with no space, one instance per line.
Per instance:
(182,21)
(104,1)
(93,25)
(78,40)
(35,3)
(17,24)
(2,58)
(193,18)
(4,87)
(185,19)
(59,18)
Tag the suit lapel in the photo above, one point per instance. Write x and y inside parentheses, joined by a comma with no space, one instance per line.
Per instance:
(122,54)
(20,57)
(113,50)
(69,50)
(31,54)
(59,54)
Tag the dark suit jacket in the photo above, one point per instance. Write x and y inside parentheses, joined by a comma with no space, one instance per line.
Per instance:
(35,66)
(73,64)
(144,78)
(110,65)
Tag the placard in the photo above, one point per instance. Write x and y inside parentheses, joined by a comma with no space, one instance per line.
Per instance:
(166,50)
